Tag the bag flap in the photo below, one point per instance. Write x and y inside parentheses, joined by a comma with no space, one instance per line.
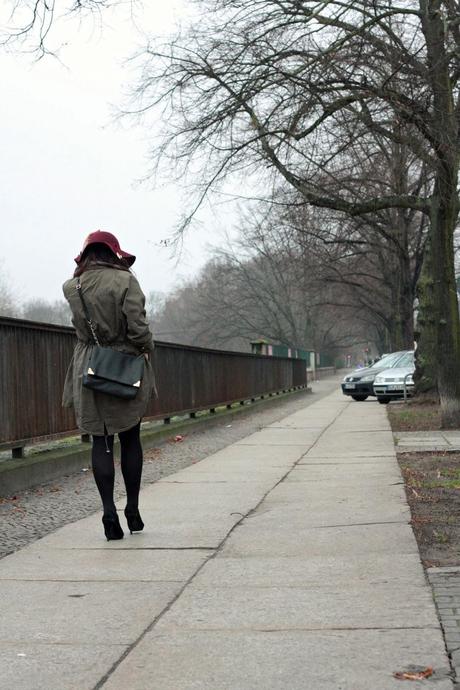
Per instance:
(116,366)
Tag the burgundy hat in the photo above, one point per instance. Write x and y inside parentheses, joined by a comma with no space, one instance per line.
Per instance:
(110,241)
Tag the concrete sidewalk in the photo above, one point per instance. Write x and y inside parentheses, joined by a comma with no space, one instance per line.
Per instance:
(422,441)
(283,562)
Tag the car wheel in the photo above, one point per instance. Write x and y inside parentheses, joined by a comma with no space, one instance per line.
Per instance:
(384,401)
(359,398)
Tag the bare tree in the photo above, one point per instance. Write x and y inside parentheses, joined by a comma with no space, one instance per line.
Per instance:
(271,82)
(8,303)
(31,22)
(264,286)
(39,309)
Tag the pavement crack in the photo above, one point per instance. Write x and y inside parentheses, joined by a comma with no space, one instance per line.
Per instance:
(150,548)
(362,524)
(213,555)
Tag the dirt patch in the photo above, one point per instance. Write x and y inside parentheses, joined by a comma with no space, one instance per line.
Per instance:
(414,416)
(433,491)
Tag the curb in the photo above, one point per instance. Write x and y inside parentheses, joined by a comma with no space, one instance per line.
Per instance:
(20,474)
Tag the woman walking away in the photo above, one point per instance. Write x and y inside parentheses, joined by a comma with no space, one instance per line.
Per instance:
(107,306)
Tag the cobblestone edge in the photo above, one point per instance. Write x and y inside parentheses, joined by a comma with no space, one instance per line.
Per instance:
(445,584)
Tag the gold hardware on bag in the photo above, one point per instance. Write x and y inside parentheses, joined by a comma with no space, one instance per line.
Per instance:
(137,384)
(90,371)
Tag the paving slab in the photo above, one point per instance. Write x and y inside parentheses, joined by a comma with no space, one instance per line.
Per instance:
(350,421)
(316,420)
(347,475)
(184,495)
(413,441)
(307,509)
(281,437)
(311,571)
(232,475)
(356,457)
(339,660)
(206,531)
(36,563)
(319,608)
(322,516)
(331,495)
(81,612)
(254,455)
(345,445)
(31,666)
(390,539)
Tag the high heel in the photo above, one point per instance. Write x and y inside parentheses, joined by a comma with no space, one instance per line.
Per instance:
(134,520)
(112,527)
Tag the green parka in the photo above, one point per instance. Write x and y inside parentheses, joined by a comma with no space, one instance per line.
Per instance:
(116,306)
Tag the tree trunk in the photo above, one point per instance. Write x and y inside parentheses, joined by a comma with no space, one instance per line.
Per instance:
(425,334)
(446,317)
(443,213)
(401,277)
(403,338)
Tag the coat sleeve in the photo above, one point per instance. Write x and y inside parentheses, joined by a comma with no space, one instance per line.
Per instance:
(138,330)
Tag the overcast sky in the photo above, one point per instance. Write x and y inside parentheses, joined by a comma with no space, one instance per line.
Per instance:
(66,169)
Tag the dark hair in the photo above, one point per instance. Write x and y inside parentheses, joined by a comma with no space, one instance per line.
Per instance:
(99,255)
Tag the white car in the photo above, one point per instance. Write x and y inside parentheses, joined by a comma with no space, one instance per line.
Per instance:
(390,383)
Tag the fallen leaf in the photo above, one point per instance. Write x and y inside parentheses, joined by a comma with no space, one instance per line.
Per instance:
(414,675)
(178,438)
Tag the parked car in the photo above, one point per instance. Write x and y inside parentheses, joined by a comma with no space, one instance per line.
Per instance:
(389,384)
(360,383)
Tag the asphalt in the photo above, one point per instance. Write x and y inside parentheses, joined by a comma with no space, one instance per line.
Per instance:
(283,561)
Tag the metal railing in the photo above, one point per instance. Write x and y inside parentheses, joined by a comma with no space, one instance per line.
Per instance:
(405,385)
(34,359)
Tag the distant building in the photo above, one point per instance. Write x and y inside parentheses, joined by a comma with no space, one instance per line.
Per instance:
(263,347)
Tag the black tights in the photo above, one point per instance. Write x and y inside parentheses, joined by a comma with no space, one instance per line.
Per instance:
(131,467)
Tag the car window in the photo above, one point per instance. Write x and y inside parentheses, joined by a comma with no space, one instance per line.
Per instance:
(388,361)
(407,360)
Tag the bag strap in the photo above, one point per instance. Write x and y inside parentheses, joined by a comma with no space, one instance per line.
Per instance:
(87,316)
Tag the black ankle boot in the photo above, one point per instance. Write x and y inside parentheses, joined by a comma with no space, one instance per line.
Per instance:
(112,527)
(134,520)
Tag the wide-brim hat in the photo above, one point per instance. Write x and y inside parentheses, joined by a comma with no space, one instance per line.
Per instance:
(110,241)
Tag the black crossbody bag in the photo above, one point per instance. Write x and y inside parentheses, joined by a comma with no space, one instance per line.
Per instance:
(110,371)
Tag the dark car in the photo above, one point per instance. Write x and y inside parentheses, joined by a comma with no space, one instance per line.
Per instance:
(360,383)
